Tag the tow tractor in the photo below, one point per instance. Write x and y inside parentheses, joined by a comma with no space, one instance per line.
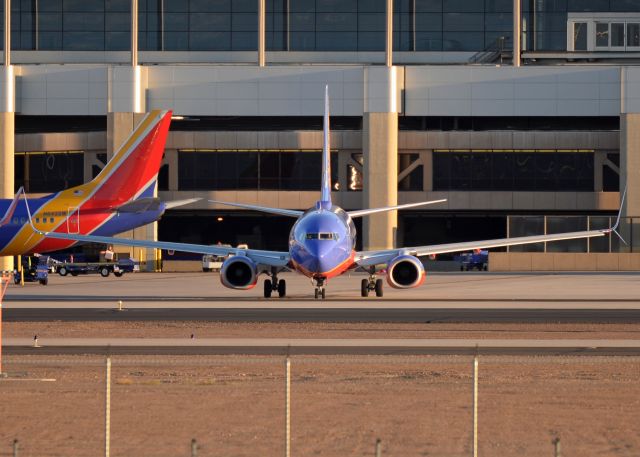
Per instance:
(118,268)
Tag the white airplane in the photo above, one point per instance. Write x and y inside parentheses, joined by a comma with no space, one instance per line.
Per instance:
(322,245)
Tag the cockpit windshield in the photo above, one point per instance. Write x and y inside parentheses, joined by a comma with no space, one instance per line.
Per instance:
(322,236)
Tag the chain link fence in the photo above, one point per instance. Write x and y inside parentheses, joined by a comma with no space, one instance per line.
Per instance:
(338,405)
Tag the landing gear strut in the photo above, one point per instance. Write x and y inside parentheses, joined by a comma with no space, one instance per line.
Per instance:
(371,284)
(320,291)
(273,284)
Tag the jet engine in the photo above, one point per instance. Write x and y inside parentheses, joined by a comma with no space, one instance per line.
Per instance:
(239,272)
(405,272)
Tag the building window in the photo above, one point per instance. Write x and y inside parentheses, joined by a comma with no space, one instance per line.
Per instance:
(49,171)
(250,170)
(72,25)
(603,32)
(570,171)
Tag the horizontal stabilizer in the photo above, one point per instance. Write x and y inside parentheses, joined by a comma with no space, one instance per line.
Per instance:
(366,212)
(139,206)
(176,203)
(6,219)
(263,209)
(152,204)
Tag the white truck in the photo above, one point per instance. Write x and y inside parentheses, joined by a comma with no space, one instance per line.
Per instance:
(212,262)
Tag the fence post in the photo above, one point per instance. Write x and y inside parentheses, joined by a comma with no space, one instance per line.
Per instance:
(475,405)
(194,448)
(15,448)
(378,448)
(107,411)
(556,447)
(287,405)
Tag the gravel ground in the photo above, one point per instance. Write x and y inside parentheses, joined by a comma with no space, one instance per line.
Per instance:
(315,330)
(234,406)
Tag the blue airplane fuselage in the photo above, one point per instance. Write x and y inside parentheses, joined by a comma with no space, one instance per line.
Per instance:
(322,242)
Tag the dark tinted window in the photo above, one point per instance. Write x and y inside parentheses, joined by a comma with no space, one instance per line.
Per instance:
(54,172)
(513,171)
(210,170)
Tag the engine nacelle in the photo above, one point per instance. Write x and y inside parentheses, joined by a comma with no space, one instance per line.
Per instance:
(405,272)
(239,272)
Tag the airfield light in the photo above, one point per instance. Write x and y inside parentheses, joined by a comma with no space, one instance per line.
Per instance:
(220,219)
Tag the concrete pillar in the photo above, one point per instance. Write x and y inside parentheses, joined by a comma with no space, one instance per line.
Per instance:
(389,35)
(7,130)
(517,32)
(127,86)
(7,122)
(7,140)
(380,148)
(380,143)
(262,31)
(630,175)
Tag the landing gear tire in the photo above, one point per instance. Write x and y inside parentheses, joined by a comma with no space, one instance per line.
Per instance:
(379,289)
(320,292)
(364,288)
(317,294)
(268,288)
(282,288)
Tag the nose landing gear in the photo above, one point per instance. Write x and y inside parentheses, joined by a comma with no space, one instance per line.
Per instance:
(320,291)
(273,284)
(371,284)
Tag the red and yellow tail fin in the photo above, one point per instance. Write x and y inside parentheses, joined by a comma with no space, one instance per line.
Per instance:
(134,167)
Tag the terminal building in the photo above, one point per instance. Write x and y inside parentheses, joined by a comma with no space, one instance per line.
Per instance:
(523,114)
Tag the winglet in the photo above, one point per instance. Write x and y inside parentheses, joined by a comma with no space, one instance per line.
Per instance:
(6,219)
(26,203)
(614,229)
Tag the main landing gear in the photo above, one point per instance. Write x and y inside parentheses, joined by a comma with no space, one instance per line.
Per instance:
(273,284)
(320,291)
(371,284)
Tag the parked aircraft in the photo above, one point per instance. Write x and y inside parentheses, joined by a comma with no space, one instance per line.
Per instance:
(120,198)
(322,245)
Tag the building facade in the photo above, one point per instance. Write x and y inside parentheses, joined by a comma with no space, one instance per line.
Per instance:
(427,102)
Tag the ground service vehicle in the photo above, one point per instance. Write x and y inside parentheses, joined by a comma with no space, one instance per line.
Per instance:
(103,268)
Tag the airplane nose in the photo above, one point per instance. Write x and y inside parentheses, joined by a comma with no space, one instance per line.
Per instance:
(322,257)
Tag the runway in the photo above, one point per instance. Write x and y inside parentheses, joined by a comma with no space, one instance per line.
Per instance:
(522,314)
(445,297)
(317,346)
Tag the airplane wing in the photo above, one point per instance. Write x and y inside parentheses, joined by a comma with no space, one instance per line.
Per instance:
(6,219)
(263,209)
(369,258)
(268,258)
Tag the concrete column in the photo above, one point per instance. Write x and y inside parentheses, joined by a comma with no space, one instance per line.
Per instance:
(630,175)
(127,86)
(7,130)
(134,33)
(380,143)
(380,148)
(262,14)
(7,142)
(517,32)
(7,121)
(389,37)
